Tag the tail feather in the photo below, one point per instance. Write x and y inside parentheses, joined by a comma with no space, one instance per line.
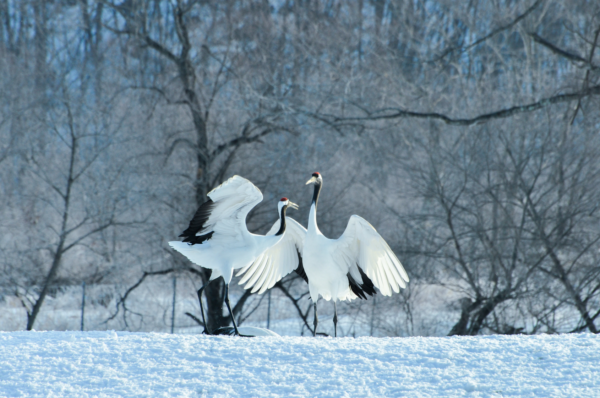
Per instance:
(191,252)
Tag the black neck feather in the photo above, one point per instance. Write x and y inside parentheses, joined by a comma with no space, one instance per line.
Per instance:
(316,193)
(281,221)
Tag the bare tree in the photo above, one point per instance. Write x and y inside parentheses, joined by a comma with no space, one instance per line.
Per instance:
(172,40)
(70,210)
(559,187)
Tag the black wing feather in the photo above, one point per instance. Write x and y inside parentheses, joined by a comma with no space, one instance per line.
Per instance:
(197,224)
(300,269)
(366,287)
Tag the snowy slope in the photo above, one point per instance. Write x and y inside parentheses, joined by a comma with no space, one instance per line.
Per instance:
(75,364)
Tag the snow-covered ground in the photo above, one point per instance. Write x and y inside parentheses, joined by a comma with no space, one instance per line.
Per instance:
(76,364)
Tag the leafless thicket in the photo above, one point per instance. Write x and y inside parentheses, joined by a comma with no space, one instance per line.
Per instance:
(467,134)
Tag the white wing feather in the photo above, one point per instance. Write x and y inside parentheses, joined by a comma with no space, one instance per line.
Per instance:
(361,244)
(277,261)
(233,200)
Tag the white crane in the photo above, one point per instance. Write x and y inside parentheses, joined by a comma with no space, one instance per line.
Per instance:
(336,269)
(218,238)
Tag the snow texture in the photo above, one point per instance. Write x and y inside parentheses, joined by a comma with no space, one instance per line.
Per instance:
(76,364)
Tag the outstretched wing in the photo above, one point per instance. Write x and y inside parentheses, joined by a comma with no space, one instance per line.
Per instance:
(224,213)
(361,245)
(277,261)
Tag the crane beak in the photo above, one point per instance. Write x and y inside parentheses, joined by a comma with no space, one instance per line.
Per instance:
(313,180)
(293,205)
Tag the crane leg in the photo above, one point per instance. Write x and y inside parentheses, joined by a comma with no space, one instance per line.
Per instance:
(229,308)
(334,319)
(316,321)
(206,330)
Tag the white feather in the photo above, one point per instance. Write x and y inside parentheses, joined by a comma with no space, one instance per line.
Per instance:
(327,262)
(364,246)
(278,260)
(230,246)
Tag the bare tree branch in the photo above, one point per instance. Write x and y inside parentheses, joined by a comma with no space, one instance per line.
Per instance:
(241,140)
(563,53)
(195,318)
(586,81)
(488,36)
(394,113)
(303,315)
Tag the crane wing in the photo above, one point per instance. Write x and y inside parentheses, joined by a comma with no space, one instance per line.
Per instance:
(224,213)
(362,245)
(277,261)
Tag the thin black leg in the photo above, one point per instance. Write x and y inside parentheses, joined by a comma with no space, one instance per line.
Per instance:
(334,319)
(229,308)
(206,330)
(316,322)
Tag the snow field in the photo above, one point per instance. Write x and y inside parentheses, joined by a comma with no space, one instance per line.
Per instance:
(106,364)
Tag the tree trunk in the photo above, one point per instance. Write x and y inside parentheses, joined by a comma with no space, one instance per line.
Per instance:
(40,40)
(474,314)
(31,317)
(214,301)
(63,233)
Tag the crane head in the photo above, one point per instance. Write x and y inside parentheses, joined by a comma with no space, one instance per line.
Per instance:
(285,202)
(315,179)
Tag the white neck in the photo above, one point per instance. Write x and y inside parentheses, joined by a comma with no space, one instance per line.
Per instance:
(312,221)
